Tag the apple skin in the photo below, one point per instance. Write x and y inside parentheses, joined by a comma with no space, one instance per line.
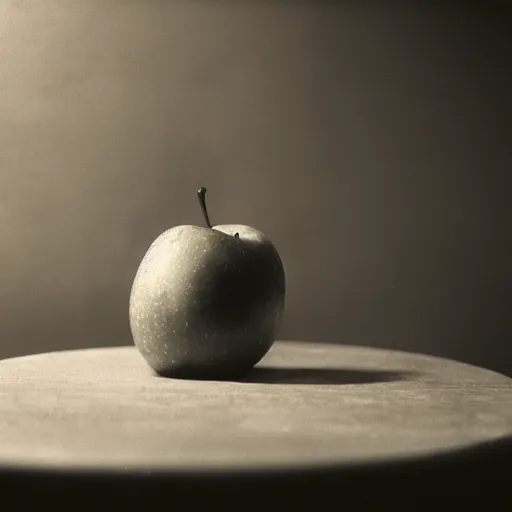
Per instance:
(206,304)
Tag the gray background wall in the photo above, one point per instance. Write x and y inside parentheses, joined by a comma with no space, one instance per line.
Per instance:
(371,143)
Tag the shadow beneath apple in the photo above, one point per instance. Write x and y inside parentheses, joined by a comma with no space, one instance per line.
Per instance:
(339,376)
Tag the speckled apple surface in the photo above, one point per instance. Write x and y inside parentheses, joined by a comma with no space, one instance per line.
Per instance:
(305,405)
(206,303)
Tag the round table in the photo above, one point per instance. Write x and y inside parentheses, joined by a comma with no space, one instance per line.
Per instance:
(310,421)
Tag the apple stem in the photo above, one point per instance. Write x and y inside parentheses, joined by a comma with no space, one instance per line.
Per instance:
(201,193)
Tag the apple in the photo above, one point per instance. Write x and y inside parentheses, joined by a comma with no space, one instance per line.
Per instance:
(207,302)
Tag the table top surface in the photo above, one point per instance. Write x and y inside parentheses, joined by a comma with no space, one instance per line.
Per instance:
(305,405)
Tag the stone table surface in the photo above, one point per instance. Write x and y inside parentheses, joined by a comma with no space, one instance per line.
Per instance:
(306,405)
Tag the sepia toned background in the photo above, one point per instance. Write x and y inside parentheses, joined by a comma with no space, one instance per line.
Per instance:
(370,141)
